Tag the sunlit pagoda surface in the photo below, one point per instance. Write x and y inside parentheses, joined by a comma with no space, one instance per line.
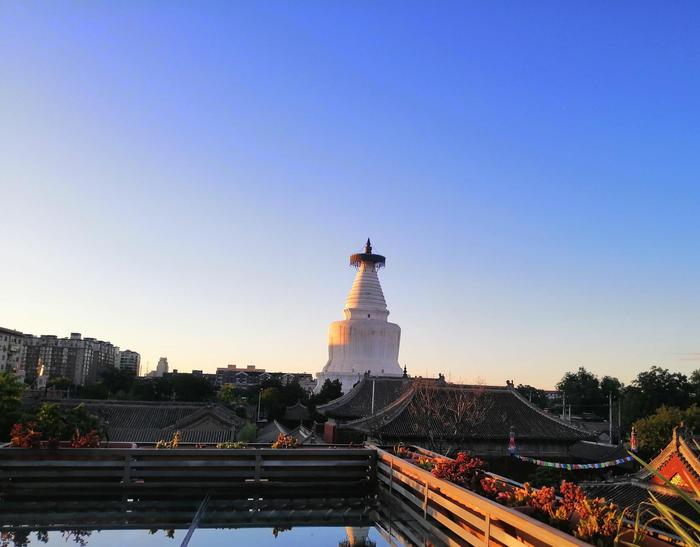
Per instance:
(364,341)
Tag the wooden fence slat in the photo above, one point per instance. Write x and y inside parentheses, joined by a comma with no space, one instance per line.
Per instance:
(446,494)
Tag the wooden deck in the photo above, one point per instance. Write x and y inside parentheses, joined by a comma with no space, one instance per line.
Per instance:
(353,486)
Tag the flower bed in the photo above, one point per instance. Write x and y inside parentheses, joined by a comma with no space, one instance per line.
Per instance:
(568,508)
(53,426)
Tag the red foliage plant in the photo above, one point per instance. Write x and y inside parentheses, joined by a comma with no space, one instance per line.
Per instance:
(463,470)
(25,436)
(590,519)
(285,441)
(88,440)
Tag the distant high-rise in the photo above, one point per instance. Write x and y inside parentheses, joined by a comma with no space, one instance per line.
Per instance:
(162,366)
(78,359)
(10,350)
(131,361)
(364,341)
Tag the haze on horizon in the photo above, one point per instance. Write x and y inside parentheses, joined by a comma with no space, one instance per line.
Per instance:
(189,181)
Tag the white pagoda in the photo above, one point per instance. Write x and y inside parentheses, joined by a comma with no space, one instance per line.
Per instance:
(364,342)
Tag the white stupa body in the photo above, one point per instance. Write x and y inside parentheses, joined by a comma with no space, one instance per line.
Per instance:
(364,342)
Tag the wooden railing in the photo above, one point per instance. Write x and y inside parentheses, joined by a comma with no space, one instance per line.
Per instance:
(297,469)
(420,508)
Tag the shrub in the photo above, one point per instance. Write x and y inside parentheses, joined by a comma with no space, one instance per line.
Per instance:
(88,440)
(590,519)
(172,443)
(248,433)
(230,444)
(285,441)
(25,435)
(464,470)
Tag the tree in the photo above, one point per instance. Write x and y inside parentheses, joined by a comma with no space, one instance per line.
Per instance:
(293,392)
(248,433)
(582,390)
(11,389)
(151,389)
(229,395)
(694,381)
(116,380)
(654,388)
(330,390)
(272,401)
(57,423)
(190,387)
(654,432)
(446,415)
(610,385)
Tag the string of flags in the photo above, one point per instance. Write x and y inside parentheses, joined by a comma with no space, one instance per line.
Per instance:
(572,466)
(512,449)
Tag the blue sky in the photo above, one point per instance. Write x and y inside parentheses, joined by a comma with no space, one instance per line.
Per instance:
(188,180)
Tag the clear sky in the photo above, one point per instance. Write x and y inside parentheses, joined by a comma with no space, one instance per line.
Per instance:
(188,180)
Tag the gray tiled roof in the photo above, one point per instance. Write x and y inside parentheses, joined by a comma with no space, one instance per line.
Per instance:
(357,403)
(501,408)
(149,422)
(630,493)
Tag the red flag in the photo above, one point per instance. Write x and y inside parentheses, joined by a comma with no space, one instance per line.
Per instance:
(633,440)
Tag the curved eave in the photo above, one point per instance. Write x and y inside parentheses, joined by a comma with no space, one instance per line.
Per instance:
(588,435)
(384,416)
(343,399)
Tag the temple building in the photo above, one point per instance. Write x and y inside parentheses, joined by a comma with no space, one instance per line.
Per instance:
(147,422)
(363,342)
(445,417)
(678,463)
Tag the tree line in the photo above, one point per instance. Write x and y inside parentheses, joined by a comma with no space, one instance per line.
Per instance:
(655,402)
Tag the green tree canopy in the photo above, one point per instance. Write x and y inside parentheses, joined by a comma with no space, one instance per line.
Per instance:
(330,390)
(272,401)
(654,432)
(230,395)
(248,433)
(11,389)
(190,387)
(583,392)
(652,389)
(293,392)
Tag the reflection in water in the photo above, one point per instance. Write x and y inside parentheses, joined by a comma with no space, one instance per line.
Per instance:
(152,519)
(260,537)
(21,538)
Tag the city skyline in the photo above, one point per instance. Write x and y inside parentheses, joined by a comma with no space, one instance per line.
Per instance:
(189,184)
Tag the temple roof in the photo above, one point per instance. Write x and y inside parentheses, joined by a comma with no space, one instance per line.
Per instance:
(629,493)
(682,451)
(596,452)
(408,409)
(149,422)
(357,403)
(678,460)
